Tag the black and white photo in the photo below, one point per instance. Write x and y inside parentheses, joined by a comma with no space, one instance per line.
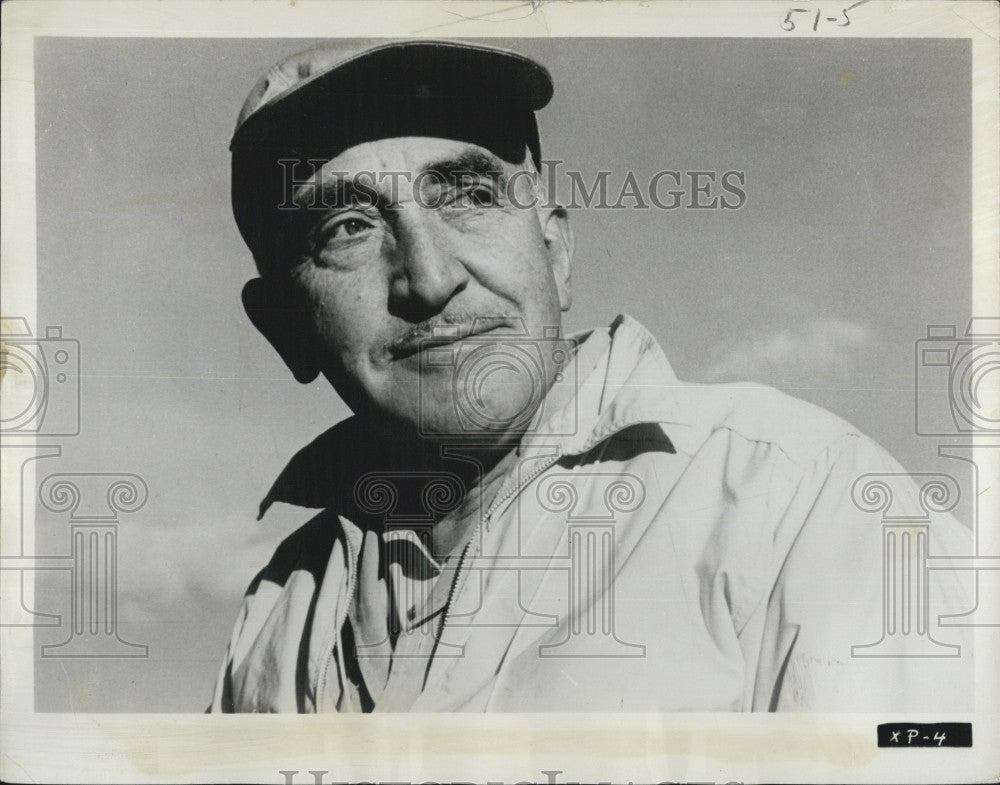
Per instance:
(496,377)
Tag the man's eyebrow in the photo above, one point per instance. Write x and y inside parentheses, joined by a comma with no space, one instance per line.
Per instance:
(346,189)
(469,162)
(341,190)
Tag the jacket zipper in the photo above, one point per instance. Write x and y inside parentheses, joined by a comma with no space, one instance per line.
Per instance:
(497,501)
(456,582)
(453,589)
(540,467)
(339,623)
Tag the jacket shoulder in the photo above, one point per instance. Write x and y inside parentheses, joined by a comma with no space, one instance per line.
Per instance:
(759,413)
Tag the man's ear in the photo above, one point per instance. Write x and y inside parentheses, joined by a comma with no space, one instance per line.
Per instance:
(273,312)
(560,244)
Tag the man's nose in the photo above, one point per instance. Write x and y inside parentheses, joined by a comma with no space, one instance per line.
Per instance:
(428,272)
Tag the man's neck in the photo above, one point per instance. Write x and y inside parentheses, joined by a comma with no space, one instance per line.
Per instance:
(453,529)
(480,462)
(478,466)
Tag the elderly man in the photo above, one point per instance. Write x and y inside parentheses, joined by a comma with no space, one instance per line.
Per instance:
(514,519)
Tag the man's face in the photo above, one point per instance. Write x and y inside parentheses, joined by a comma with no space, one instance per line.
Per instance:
(403,276)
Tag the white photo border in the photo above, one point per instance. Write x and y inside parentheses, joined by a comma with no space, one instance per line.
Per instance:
(687,747)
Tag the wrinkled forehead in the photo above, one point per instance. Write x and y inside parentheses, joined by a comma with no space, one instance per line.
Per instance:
(395,169)
(414,154)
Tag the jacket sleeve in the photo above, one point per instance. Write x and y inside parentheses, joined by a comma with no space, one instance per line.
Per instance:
(222,697)
(851,621)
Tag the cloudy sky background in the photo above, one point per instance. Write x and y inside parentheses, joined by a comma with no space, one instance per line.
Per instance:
(854,237)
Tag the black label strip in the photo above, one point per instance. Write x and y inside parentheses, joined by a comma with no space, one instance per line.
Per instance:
(925,734)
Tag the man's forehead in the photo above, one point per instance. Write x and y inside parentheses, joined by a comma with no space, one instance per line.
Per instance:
(410,154)
(395,167)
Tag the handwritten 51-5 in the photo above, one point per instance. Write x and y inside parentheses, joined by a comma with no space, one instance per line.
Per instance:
(840,20)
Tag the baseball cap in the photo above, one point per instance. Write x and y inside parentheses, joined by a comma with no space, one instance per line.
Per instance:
(317,103)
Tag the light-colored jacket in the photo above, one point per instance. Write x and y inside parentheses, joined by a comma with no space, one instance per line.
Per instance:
(659,546)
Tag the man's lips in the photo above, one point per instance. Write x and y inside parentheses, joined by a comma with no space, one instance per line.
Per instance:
(441,334)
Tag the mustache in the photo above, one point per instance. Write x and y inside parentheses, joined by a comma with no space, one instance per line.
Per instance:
(447,327)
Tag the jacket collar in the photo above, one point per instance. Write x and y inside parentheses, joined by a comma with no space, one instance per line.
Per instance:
(626,380)
(631,383)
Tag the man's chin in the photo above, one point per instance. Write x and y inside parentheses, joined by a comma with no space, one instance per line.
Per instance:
(439,412)
(492,425)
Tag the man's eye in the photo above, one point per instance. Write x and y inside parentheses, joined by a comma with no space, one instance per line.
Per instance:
(475,197)
(348,227)
(342,227)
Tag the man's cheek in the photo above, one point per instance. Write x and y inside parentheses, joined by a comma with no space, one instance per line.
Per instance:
(509,271)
